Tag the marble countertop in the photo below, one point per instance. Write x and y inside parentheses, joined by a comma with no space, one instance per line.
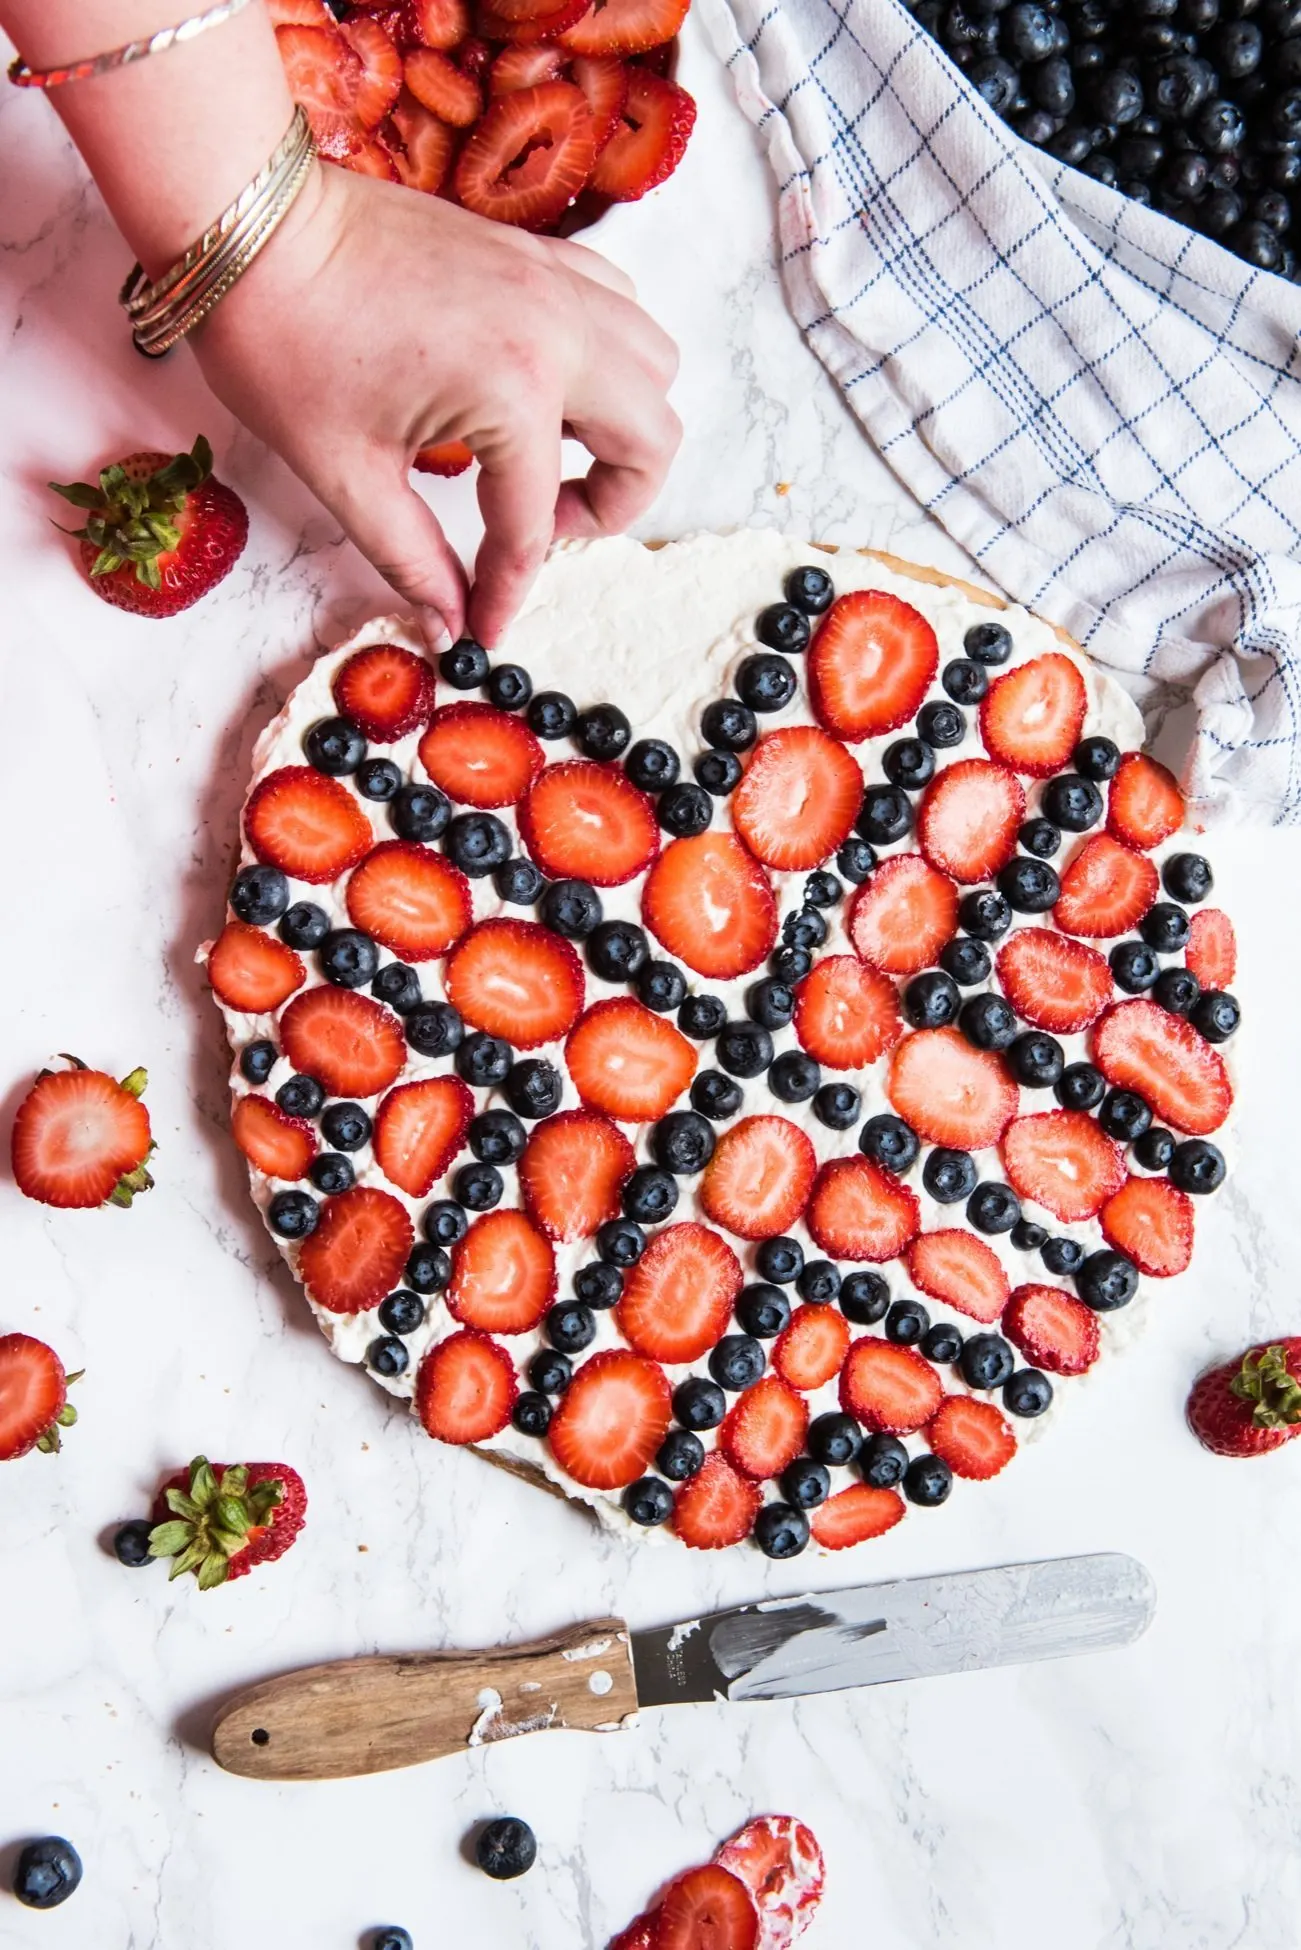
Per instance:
(1146,1800)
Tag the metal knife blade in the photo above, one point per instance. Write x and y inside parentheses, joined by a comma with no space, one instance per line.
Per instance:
(910,1629)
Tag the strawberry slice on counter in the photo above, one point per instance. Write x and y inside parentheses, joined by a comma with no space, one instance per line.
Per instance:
(974,1438)
(870,665)
(517,980)
(1151,1222)
(779,1861)
(949,1092)
(846,1014)
(629,1062)
(525,67)
(1063,1161)
(902,917)
(503,1275)
(1054,982)
(82,1139)
(466,1388)
(1144,803)
(859,1211)
(707,1909)
(639,1934)
(222,1521)
(854,1516)
(625,26)
(810,1350)
(381,68)
(419,1129)
(798,801)
(278,1145)
(764,1429)
(306,824)
(1252,1405)
(604,82)
(961,1270)
(1106,889)
(447,458)
(709,903)
(571,1174)
(443,88)
(1031,717)
(968,820)
(252,970)
(386,691)
(326,78)
(352,1046)
(410,900)
(678,1298)
(649,139)
(34,1406)
(358,1250)
(1053,1330)
(481,756)
(758,1181)
(1140,1046)
(529,156)
(589,822)
(1212,950)
(890,1390)
(611,1420)
(715,1507)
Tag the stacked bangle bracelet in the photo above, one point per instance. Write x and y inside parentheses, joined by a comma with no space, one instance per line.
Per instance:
(121,57)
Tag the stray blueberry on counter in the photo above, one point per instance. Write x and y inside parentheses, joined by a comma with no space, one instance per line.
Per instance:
(436,1029)
(965,682)
(985,914)
(391,1938)
(744,1049)
(549,1372)
(256,1061)
(1197,1166)
(1106,1280)
(260,895)
(886,816)
(378,779)
(765,682)
(1036,1059)
(419,812)
(719,772)
(993,1208)
(481,1059)
(1134,966)
(681,1455)
(1165,927)
(987,1022)
(684,810)
(428,1269)
(855,861)
(650,1196)
(345,1126)
(518,881)
(683,1143)
(818,1281)
(402,1312)
(335,746)
(304,925)
(781,1531)
(810,589)
(1028,1392)
(908,763)
(620,1242)
(931,1000)
(47,1873)
(131,1543)
(570,1326)
(572,908)
(1072,802)
(531,1414)
(1080,1087)
(699,1404)
(387,1356)
(1029,885)
(889,1142)
(652,765)
(988,643)
(603,732)
(805,1483)
(837,1105)
(551,714)
(762,1310)
(927,1481)
(967,961)
(510,687)
(949,1175)
(1124,1116)
(864,1298)
(616,950)
(986,1361)
(505,1848)
(737,1361)
(941,724)
(398,986)
(444,1222)
(1097,759)
(701,1017)
(794,1077)
(1027,1236)
(647,1501)
(477,843)
(906,1322)
(661,986)
(942,1343)
(780,1260)
(1187,877)
(1216,1015)
(300,1096)
(465,665)
(883,1461)
(834,1439)
(784,627)
(1062,1255)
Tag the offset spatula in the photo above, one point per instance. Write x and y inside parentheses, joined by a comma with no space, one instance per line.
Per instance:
(361,1716)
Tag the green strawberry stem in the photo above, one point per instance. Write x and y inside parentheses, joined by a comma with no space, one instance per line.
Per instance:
(50,1441)
(135,522)
(211,1522)
(1265,1379)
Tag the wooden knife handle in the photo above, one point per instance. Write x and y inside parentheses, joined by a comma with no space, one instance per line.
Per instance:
(362,1716)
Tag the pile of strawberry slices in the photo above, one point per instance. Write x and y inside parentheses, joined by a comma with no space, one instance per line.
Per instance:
(761,1891)
(751,1128)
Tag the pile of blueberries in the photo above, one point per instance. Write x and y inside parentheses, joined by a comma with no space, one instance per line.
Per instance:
(1193,106)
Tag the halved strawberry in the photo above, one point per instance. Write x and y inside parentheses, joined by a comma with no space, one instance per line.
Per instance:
(374,158)
(466,1388)
(649,140)
(33,1397)
(1151,1222)
(780,1863)
(974,1438)
(678,1298)
(707,1909)
(496,28)
(611,1420)
(503,1275)
(306,824)
(709,903)
(1031,717)
(715,1507)
(625,26)
(1144,803)
(517,980)
(1140,1046)
(447,458)
(525,67)
(860,1211)
(1212,951)
(325,77)
(481,756)
(409,899)
(530,155)
(810,1350)
(961,1270)
(629,1062)
(799,798)
(349,1043)
(443,88)
(854,1515)
(1053,1330)
(1054,982)
(1107,888)
(903,915)
(968,821)
(381,68)
(758,1180)
(764,1429)
(278,1145)
(386,691)
(358,1250)
(949,1092)
(251,970)
(871,664)
(440,23)
(419,1129)
(890,1390)
(574,1167)
(846,1014)
(589,822)
(604,82)
(82,1139)
(1063,1161)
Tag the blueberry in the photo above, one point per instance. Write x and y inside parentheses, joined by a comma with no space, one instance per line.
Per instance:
(1036,1059)
(391,1937)
(398,986)
(304,925)
(822,889)
(883,1462)
(349,958)
(293,1214)
(1106,1280)
(1177,989)
(620,1242)
(765,682)
(987,1022)
(1154,1148)
(906,1322)
(257,1060)
(1238,47)
(47,1873)
(477,1187)
(986,1361)
(886,815)
(889,1142)
(1027,1392)
(993,1208)
(465,665)
(683,1143)
(570,1326)
(949,1175)
(435,1029)
(685,810)
(941,724)
(1040,837)
(428,1269)
(1026,31)
(1164,927)
(699,1404)
(931,1000)
(1028,1236)
(497,1138)
(763,1310)
(965,682)
(834,1439)
(510,687)
(378,778)
(531,1414)
(572,908)
(942,1343)
(701,1017)
(719,772)
(1197,1166)
(818,1282)
(1097,759)
(661,985)
(1134,966)
(616,950)
(1187,877)
(131,1543)
(1116,97)
(260,895)
(837,1105)
(345,1126)
(1080,1087)
(790,964)
(1216,1015)
(1124,1116)
(388,1357)
(715,1095)
(855,861)
(864,1298)
(647,1501)
(737,1361)
(781,1531)
(984,914)
(967,961)
(518,881)
(988,643)
(1072,802)
(908,763)
(335,746)
(300,1096)
(810,589)
(652,765)
(650,1195)
(598,1284)
(806,928)
(770,1003)
(794,1077)
(551,714)
(744,1049)
(549,1372)
(444,1222)
(402,1312)
(728,725)
(681,1455)
(784,627)
(1062,1255)
(505,1848)
(780,1260)
(927,1481)
(483,1060)
(805,1483)
(1029,885)
(419,812)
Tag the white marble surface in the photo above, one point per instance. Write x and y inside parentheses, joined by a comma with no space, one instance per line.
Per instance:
(1138,1801)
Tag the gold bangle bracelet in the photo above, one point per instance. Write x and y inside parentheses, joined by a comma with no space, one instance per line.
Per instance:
(122,57)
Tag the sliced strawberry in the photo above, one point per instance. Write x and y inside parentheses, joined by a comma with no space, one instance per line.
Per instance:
(1144,803)
(446,457)
(300,13)
(974,1438)
(590,823)
(1031,717)
(649,140)
(358,1250)
(678,1298)
(440,23)
(1212,951)
(799,798)
(374,158)
(1151,1222)
(949,1092)
(419,1129)
(306,824)
(1107,888)
(81,1139)
(860,1211)
(349,1043)
(625,26)
(961,1270)
(1054,982)
(611,1420)
(325,77)
(381,68)
(628,1061)
(410,900)
(443,88)
(969,816)
(503,1275)
(764,1429)
(871,664)
(530,155)
(395,17)
(525,67)
(758,1180)
(903,915)
(481,756)
(707,1909)
(637,1935)
(780,1863)
(810,1350)
(466,1388)
(517,980)
(251,970)
(1140,1046)
(1053,1330)
(709,903)
(280,1146)
(890,1390)
(386,691)
(846,1015)
(1063,1161)
(33,1396)
(716,1507)
(604,82)
(526,33)
(574,1167)
(855,1515)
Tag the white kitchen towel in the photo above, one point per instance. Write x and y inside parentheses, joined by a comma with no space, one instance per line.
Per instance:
(1101,406)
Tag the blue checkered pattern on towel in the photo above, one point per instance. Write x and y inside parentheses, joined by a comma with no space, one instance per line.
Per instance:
(1102,407)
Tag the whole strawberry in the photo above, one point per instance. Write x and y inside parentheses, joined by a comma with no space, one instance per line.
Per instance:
(221,1520)
(160,531)
(81,1138)
(1247,1407)
(34,1406)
